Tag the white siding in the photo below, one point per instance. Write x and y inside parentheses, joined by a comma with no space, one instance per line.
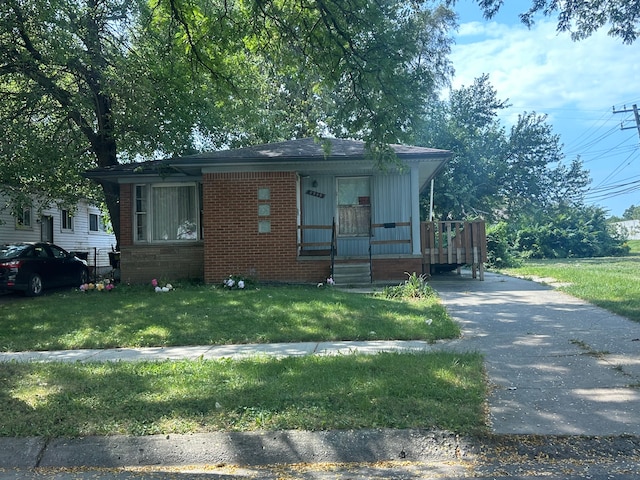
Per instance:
(80,239)
(629,228)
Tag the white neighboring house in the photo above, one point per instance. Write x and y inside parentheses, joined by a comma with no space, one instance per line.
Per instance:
(79,231)
(630,229)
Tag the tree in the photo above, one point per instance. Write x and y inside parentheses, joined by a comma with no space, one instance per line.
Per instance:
(578,17)
(87,83)
(467,125)
(632,213)
(497,174)
(516,179)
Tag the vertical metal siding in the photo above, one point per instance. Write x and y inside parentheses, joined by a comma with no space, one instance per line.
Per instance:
(391,202)
(317,210)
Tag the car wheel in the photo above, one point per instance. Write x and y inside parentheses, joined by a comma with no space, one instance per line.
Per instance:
(34,287)
(84,277)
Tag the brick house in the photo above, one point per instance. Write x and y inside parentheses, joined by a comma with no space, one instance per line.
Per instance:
(296,211)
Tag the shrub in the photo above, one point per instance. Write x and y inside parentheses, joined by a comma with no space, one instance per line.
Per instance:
(415,286)
(499,250)
(570,231)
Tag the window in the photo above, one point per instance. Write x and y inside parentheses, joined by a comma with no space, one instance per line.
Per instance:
(97,223)
(23,220)
(354,206)
(66,220)
(264,193)
(58,252)
(166,212)
(141,212)
(264,226)
(264,210)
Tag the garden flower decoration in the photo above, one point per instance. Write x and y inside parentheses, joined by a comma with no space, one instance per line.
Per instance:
(233,282)
(330,283)
(167,288)
(103,286)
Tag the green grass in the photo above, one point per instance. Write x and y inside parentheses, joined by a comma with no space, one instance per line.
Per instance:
(612,283)
(203,315)
(426,390)
(438,390)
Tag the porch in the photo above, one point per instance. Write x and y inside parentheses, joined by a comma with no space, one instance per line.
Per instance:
(444,246)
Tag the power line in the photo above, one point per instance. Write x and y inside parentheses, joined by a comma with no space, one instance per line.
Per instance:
(636,117)
(624,164)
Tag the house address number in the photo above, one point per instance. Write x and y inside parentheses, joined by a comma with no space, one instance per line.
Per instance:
(314,194)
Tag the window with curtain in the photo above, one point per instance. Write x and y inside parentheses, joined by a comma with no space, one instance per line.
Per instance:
(166,213)
(354,206)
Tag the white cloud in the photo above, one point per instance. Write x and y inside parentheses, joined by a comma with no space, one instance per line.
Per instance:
(540,70)
(575,83)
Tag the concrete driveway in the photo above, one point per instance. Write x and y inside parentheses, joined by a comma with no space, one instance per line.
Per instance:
(556,364)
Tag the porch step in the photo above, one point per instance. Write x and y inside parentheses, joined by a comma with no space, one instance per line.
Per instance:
(346,274)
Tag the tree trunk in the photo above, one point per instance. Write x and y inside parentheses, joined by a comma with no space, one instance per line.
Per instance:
(112,198)
(104,146)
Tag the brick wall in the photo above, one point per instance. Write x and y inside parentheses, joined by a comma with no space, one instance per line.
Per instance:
(233,243)
(395,268)
(126,214)
(167,263)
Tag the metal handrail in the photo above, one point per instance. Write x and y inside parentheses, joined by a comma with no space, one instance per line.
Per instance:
(370,252)
(334,245)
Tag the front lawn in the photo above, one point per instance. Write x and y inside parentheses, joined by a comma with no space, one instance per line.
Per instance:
(389,390)
(204,315)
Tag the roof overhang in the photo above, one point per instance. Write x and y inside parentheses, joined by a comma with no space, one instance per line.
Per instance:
(304,156)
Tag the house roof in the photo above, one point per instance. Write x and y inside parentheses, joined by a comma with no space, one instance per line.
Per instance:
(306,155)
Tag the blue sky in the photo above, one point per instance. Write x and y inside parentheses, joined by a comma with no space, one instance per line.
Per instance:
(576,84)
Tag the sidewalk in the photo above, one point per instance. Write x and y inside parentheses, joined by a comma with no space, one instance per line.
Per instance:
(565,380)
(278,350)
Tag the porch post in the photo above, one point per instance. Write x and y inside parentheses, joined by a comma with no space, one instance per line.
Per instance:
(415,210)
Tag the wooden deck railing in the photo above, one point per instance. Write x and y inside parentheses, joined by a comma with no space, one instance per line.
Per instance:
(454,243)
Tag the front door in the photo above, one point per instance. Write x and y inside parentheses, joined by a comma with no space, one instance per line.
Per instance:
(354,206)
(46,229)
(354,215)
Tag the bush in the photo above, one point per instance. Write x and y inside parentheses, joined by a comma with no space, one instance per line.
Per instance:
(570,231)
(415,286)
(499,251)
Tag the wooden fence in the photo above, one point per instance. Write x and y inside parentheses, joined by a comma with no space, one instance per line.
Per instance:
(454,243)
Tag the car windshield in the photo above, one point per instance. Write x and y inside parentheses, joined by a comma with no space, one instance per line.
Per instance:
(11,251)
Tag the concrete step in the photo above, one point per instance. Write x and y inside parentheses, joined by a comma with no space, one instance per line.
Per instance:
(352,274)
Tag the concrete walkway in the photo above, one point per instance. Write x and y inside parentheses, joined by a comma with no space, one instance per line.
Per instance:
(557,365)
(209,352)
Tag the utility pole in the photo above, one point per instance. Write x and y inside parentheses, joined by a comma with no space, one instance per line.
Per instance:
(633,109)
